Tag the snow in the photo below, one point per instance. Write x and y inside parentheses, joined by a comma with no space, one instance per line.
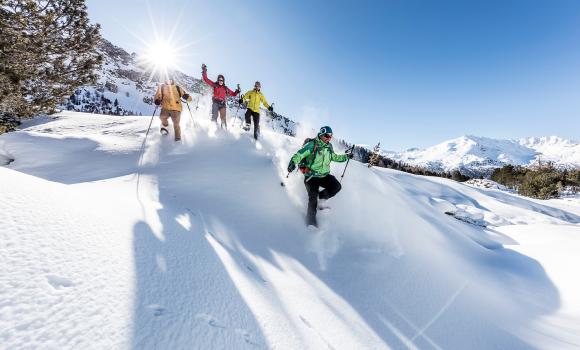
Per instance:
(476,155)
(486,183)
(200,247)
(554,149)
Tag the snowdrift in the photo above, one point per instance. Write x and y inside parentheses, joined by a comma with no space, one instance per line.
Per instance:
(200,247)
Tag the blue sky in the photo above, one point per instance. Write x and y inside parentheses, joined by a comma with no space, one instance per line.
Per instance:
(407,73)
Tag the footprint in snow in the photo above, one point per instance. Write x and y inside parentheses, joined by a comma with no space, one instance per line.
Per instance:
(246,335)
(58,282)
(157,310)
(249,268)
(210,320)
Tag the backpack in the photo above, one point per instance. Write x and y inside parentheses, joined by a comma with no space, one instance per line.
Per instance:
(304,165)
(179,91)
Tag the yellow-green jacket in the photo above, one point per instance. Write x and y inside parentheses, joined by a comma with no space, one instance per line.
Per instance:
(255,97)
(170,96)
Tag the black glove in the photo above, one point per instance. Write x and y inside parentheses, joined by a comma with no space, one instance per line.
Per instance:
(203,67)
(271,109)
(157,101)
(291,167)
(241,100)
(350,155)
(185,96)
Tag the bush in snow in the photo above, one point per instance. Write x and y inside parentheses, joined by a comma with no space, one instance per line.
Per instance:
(541,182)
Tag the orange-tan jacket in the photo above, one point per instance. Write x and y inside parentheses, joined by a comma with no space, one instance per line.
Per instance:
(170,96)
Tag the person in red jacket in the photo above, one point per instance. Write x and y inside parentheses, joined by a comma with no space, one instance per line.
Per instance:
(220,95)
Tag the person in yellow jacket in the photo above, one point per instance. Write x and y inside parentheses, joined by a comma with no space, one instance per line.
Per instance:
(169,96)
(255,97)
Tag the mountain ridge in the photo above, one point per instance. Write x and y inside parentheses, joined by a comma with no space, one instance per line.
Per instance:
(477,156)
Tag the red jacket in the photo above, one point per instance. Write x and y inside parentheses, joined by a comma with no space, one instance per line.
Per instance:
(220,92)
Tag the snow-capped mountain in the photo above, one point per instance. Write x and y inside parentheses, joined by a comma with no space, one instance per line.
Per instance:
(554,149)
(125,86)
(475,156)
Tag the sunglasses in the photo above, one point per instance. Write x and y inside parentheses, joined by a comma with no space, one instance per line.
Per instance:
(220,81)
(328,136)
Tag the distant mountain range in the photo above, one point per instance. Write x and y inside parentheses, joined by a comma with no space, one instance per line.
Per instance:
(475,156)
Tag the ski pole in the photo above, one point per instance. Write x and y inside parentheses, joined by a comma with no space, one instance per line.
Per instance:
(235,117)
(271,113)
(197,101)
(190,114)
(351,150)
(145,139)
(282,182)
(237,111)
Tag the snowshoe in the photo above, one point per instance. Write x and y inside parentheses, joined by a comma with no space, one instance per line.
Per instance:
(312,228)
(164,131)
(323,205)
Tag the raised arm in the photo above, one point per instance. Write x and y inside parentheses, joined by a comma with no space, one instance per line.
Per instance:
(206,79)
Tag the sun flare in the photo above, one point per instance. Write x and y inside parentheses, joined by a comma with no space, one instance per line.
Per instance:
(161,56)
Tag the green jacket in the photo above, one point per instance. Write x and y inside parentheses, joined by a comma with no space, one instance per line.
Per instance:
(320,163)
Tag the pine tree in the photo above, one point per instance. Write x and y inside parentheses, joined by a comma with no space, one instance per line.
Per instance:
(374,157)
(47,50)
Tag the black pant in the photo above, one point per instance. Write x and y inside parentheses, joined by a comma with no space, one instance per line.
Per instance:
(256,116)
(331,188)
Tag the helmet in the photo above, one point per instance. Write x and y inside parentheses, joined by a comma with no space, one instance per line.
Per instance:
(325,130)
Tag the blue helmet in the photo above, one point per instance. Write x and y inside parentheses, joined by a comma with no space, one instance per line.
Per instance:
(325,130)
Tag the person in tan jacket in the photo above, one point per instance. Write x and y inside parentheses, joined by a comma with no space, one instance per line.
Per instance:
(169,96)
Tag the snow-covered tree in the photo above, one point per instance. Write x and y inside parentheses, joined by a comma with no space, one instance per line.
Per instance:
(47,49)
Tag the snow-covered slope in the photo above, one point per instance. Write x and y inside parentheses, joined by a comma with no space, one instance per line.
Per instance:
(200,247)
(475,156)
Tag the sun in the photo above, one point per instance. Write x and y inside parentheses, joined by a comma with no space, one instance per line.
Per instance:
(163,49)
(161,55)
(161,58)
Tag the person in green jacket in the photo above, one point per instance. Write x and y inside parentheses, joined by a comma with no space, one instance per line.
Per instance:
(314,161)
(254,97)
